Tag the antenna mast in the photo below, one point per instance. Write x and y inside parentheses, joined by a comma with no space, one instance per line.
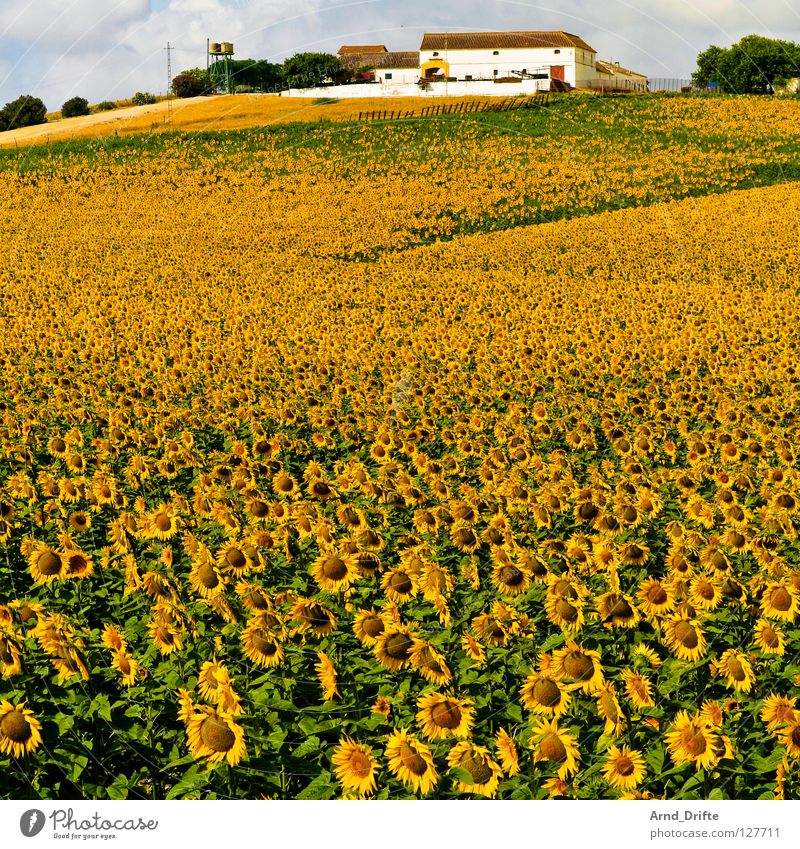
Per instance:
(169,48)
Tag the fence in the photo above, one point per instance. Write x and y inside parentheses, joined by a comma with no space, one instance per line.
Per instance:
(461,108)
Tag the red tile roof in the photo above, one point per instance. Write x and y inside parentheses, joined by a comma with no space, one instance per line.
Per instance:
(349,49)
(612,68)
(390,59)
(500,40)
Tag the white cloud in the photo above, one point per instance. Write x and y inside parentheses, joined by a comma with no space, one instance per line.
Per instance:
(110,48)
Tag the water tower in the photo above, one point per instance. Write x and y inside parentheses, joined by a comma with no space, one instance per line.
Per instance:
(220,66)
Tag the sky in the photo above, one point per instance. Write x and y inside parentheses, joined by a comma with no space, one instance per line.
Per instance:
(109,49)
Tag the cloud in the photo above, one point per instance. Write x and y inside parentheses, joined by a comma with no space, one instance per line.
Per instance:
(104,49)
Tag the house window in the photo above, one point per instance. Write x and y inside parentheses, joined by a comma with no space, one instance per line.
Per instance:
(387,75)
(435,52)
(524,70)
(468,77)
(495,53)
(495,71)
(556,51)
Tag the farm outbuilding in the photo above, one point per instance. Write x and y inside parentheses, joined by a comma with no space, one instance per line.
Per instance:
(391,67)
(536,60)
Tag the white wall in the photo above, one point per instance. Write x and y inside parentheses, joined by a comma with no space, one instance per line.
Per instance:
(481,64)
(477,88)
(399,75)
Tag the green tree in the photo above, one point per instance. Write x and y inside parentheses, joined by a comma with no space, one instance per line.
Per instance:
(305,70)
(25,111)
(75,106)
(143,98)
(257,73)
(191,83)
(754,65)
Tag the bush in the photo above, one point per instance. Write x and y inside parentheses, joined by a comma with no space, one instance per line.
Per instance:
(75,106)
(244,89)
(25,111)
(105,106)
(143,98)
(191,84)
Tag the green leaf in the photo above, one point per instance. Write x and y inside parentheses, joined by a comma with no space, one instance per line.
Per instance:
(462,775)
(716,794)
(192,780)
(769,763)
(655,760)
(309,745)
(277,737)
(320,788)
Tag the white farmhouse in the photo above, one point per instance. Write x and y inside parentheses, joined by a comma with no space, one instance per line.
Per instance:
(374,63)
(507,55)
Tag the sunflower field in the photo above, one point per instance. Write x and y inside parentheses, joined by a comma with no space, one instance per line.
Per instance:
(435,459)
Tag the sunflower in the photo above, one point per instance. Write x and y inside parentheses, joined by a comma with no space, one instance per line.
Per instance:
(238,558)
(780,601)
(685,638)
(166,636)
(214,735)
(737,671)
(769,638)
(285,486)
(609,708)
(655,597)
(617,610)
(580,665)
(690,741)
(46,563)
(430,664)
(552,744)
(10,657)
(464,538)
(205,579)
(399,584)
(19,730)
(473,649)
(510,579)
(129,668)
(79,521)
(382,706)
(261,644)
(435,581)
(326,674)
(393,648)
(789,737)
(566,613)
(69,663)
(778,710)
(476,761)
(411,762)
(212,678)
(78,564)
(335,571)
(368,625)
(544,695)
(113,638)
(704,592)
(507,752)
(440,716)
(638,689)
(624,768)
(313,616)
(355,767)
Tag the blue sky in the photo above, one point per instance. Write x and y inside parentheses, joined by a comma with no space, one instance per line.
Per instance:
(108,49)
